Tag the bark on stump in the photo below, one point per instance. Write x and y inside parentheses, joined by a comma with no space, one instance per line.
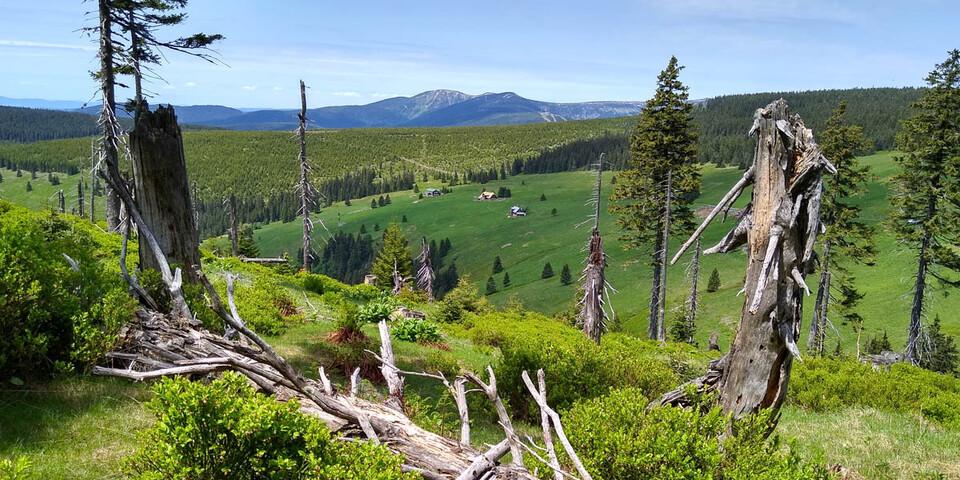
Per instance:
(162,188)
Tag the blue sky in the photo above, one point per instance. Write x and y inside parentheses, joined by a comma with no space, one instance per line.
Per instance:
(353,52)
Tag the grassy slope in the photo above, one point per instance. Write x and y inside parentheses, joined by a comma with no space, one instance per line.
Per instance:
(481,230)
(82,427)
(44,195)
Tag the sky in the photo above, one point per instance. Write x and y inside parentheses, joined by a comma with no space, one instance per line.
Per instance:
(357,52)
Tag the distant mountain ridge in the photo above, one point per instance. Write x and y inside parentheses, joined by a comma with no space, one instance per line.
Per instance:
(433,108)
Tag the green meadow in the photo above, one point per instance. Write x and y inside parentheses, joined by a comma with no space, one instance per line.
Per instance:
(481,230)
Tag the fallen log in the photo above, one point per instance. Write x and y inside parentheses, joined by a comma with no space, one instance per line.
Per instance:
(153,345)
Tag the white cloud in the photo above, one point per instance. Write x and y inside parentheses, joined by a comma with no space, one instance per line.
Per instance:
(385,95)
(190,84)
(249,88)
(277,88)
(345,94)
(32,44)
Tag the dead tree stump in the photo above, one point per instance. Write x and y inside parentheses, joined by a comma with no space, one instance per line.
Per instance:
(162,189)
(779,226)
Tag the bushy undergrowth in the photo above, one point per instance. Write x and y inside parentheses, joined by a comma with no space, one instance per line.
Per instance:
(617,438)
(576,368)
(823,384)
(416,330)
(321,284)
(460,301)
(225,430)
(52,315)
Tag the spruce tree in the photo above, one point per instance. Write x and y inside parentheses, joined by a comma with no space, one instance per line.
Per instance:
(1,178)
(653,197)
(497,265)
(547,271)
(29,186)
(926,191)
(394,251)
(346,202)
(373,203)
(404,219)
(19,173)
(543,198)
(363,229)
(847,239)
(940,354)
(683,330)
(553,212)
(713,284)
(491,286)
(565,277)
(246,245)
(506,279)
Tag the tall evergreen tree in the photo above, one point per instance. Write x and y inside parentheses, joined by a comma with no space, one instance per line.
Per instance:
(565,277)
(497,265)
(491,286)
(394,251)
(713,284)
(653,197)
(506,279)
(926,191)
(246,245)
(847,239)
(941,352)
(547,271)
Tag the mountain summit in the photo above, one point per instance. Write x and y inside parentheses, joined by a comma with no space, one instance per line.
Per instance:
(434,108)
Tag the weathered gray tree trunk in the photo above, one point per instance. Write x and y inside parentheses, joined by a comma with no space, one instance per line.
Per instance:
(425,274)
(80,197)
(781,230)
(653,327)
(912,353)
(306,189)
(109,141)
(662,261)
(233,230)
(592,316)
(61,201)
(163,190)
(692,301)
(818,324)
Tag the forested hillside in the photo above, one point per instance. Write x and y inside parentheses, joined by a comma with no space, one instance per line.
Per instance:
(32,124)
(260,167)
(721,120)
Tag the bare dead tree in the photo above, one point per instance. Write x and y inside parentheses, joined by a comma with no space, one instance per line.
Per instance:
(661,325)
(818,324)
(307,193)
(780,228)
(425,274)
(692,301)
(61,201)
(233,229)
(109,140)
(592,316)
(80,197)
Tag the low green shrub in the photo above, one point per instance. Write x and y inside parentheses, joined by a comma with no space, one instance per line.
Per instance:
(50,313)
(265,306)
(617,438)
(576,368)
(17,468)
(822,384)
(225,430)
(416,330)
(377,310)
(463,299)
